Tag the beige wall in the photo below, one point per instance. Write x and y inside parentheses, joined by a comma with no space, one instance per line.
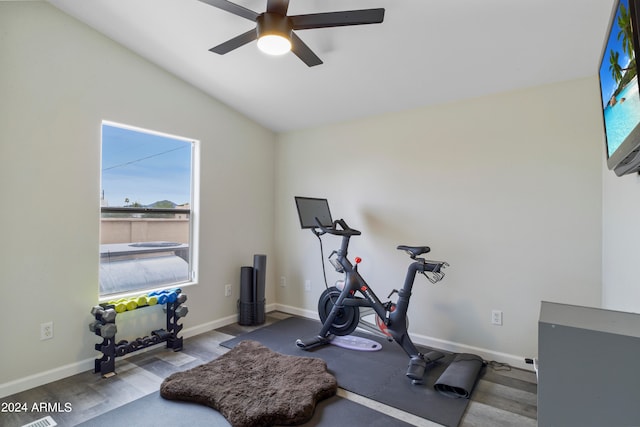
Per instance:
(58,80)
(506,188)
(621,233)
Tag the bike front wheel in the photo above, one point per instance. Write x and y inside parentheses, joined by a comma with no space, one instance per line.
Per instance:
(347,318)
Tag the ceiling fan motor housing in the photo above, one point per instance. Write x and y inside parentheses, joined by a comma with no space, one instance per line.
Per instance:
(274,24)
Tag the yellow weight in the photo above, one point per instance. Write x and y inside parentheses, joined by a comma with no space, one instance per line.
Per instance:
(120,307)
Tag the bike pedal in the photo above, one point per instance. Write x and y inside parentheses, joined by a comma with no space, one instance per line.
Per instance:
(309,343)
(415,370)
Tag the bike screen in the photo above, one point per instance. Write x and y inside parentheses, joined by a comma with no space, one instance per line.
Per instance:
(310,208)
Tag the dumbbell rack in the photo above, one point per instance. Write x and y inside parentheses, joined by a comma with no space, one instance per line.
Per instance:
(105,365)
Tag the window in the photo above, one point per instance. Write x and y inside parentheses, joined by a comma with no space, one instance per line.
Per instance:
(147,205)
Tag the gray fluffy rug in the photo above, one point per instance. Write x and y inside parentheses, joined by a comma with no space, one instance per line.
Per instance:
(253,386)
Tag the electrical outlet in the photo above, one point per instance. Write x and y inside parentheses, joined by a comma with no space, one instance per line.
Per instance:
(227,290)
(283,282)
(496,317)
(307,285)
(46,331)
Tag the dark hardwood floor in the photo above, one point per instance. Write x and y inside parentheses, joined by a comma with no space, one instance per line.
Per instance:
(502,397)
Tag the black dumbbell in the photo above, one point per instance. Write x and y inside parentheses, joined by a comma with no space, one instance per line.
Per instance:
(161,334)
(122,349)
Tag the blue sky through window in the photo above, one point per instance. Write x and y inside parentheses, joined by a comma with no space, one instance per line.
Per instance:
(144,167)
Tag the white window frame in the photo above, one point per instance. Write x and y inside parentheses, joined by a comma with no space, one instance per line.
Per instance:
(194,211)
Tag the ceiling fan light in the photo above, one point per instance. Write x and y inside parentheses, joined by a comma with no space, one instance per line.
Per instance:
(274,33)
(274,44)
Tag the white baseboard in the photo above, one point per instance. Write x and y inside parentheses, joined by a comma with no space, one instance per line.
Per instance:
(209,326)
(454,347)
(55,374)
(219,323)
(309,314)
(45,377)
(488,355)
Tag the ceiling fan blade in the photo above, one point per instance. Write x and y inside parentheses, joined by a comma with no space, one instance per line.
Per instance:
(279,7)
(337,19)
(233,8)
(235,42)
(302,51)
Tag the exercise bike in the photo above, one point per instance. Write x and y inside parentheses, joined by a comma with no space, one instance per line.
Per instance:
(342,310)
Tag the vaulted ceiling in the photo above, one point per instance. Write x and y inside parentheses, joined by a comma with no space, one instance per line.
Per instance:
(426,52)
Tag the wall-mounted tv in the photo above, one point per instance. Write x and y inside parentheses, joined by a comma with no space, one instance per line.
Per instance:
(619,89)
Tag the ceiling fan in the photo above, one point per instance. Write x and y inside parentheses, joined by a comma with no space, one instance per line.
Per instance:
(274,28)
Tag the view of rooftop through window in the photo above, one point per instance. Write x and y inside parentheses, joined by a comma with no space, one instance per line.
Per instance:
(146,210)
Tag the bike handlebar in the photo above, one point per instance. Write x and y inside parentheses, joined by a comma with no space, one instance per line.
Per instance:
(345,231)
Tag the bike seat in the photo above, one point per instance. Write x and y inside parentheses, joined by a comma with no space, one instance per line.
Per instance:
(414,251)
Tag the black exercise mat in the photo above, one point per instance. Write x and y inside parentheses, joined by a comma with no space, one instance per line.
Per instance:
(153,411)
(460,376)
(378,375)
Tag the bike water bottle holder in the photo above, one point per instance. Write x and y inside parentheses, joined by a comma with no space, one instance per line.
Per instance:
(432,270)
(335,263)
(433,277)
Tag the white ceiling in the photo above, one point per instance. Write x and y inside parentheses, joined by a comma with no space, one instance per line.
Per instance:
(426,52)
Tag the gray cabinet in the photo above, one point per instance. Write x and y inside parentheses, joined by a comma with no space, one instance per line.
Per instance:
(589,367)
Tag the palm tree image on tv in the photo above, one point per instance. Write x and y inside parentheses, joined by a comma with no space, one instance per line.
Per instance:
(619,82)
(622,75)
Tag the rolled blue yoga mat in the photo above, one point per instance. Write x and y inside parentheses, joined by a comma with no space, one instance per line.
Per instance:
(460,377)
